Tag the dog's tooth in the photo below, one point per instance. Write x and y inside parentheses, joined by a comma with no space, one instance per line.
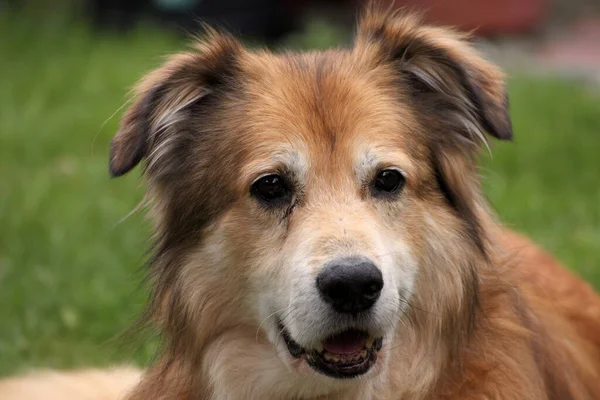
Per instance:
(327,356)
(370,341)
(363,354)
(335,359)
(319,348)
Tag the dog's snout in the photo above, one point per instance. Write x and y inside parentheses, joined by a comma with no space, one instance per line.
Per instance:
(350,285)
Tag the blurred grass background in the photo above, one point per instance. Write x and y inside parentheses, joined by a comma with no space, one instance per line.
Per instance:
(70,272)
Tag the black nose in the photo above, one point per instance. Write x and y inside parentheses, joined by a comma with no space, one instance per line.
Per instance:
(350,285)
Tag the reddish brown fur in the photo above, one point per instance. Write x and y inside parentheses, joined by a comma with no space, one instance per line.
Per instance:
(492,316)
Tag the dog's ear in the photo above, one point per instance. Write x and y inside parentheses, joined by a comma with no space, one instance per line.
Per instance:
(439,64)
(163,94)
(460,96)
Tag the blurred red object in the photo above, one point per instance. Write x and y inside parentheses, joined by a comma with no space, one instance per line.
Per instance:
(484,17)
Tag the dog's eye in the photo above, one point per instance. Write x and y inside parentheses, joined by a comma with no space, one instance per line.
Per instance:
(389,181)
(271,188)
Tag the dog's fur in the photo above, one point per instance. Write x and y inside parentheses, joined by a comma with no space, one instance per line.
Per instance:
(469,310)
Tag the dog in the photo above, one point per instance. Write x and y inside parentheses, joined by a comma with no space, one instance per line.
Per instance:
(321,232)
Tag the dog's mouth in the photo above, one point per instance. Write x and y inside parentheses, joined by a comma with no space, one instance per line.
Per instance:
(345,355)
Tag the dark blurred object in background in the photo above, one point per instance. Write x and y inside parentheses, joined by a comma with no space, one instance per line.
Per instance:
(269,20)
(266,20)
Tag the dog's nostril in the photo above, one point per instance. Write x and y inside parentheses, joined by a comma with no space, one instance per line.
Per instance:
(350,285)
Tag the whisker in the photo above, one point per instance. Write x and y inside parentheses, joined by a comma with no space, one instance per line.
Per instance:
(104,124)
(265,319)
(142,203)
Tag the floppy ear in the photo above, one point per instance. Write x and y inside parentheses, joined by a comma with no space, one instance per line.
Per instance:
(165,93)
(459,95)
(439,64)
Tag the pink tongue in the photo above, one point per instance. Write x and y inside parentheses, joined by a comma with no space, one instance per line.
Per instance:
(349,342)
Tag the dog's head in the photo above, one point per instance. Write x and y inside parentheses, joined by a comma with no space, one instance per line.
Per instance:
(320,199)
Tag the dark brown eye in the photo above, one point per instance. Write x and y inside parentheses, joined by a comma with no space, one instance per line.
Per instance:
(389,181)
(271,188)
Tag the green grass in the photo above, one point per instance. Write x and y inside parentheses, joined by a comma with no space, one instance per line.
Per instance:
(70,279)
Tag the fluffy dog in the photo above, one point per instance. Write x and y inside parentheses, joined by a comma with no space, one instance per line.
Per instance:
(321,231)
